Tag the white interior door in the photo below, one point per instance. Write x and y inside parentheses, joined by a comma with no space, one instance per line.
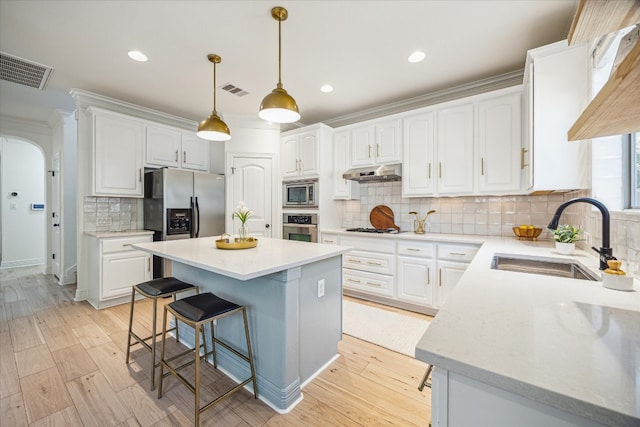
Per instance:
(252,182)
(56,220)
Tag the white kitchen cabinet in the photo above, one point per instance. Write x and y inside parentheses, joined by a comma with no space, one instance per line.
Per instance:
(418,155)
(117,155)
(376,143)
(162,146)
(557,87)
(416,272)
(343,189)
(499,144)
(172,147)
(455,137)
(369,269)
(114,267)
(195,152)
(299,154)
(453,260)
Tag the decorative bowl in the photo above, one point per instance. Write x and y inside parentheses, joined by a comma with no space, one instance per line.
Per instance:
(527,233)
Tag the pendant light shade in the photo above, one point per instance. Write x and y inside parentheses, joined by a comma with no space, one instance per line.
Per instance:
(279,106)
(213,128)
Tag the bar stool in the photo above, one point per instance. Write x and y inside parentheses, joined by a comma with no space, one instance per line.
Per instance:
(163,287)
(196,311)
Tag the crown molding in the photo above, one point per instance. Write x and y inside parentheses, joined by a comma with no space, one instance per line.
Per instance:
(501,81)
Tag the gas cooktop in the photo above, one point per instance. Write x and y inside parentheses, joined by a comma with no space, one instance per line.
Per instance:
(373,230)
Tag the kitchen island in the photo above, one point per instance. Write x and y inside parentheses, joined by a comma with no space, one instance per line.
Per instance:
(513,348)
(293,294)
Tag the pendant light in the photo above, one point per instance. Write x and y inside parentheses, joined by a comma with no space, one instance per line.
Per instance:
(279,106)
(213,128)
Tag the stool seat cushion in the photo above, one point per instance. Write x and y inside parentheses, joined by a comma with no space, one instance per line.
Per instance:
(202,306)
(163,285)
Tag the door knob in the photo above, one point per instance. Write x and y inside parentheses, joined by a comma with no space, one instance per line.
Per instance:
(56,225)
(267,226)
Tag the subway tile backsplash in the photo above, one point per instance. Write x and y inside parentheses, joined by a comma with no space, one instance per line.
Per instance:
(110,214)
(496,215)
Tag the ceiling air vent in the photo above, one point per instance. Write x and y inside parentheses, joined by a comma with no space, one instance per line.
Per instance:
(23,71)
(235,90)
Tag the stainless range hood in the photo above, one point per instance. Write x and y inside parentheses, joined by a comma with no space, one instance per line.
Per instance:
(375,173)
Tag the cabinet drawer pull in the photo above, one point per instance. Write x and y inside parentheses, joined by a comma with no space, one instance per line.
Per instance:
(184,156)
(428,275)
(140,175)
(353,280)
(369,151)
(124,245)
(440,169)
(149,264)
(377,150)
(429,171)
(457,253)
(413,249)
(354,260)
(374,284)
(440,277)
(523,152)
(374,263)
(481,165)
(327,241)
(176,156)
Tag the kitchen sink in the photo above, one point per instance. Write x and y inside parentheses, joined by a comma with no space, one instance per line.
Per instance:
(542,266)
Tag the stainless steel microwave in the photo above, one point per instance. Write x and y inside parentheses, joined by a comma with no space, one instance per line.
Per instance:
(300,194)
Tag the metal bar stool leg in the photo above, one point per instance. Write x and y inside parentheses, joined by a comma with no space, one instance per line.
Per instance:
(249,353)
(133,299)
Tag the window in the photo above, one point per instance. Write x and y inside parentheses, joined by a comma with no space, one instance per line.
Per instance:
(634,170)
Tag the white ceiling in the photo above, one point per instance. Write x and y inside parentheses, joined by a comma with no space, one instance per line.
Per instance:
(359,47)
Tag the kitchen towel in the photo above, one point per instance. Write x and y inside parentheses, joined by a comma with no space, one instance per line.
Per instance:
(394,331)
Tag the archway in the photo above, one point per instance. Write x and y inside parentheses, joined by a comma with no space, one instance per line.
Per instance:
(23,223)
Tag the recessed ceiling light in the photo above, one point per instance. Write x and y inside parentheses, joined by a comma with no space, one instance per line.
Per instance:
(416,56)
(326,88)
(136,55)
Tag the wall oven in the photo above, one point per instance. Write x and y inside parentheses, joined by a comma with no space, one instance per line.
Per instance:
(300,194)
(301,227)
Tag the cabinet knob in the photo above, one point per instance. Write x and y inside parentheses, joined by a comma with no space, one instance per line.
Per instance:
(267,225)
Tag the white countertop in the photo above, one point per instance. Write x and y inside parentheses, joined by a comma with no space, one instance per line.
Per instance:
(128,233)
(270,256)
(410,235)
(568,343)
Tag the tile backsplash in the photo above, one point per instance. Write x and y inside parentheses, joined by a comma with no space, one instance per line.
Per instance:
(110,214)
(496,215)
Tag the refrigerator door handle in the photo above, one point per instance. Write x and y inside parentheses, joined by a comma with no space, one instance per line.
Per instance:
(193,213)
(197,217)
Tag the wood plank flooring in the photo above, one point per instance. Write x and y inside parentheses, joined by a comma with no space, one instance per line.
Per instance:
(62,363)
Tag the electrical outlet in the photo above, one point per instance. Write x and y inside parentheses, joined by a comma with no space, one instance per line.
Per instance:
(320,288)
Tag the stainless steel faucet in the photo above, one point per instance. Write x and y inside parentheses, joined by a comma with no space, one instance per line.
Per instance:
(606,253)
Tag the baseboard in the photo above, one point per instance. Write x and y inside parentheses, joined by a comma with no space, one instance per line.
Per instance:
(22,263)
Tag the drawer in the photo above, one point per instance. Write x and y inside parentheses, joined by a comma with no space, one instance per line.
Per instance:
(367,282)
(121,244)
(420,249)
(457,252)
(369,261)
(330,239)
(379,244)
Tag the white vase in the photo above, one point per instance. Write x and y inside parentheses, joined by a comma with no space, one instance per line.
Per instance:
(565,248)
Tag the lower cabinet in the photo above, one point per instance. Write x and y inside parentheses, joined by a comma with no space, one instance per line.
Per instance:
(410,274)
(115,267)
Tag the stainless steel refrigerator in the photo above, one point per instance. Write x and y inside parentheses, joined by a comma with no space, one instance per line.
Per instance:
(180,204)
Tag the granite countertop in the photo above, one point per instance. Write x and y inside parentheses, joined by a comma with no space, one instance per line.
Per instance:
(128,233)
(270,256)
(567,343)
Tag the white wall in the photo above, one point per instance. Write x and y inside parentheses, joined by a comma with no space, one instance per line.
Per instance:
(23,229)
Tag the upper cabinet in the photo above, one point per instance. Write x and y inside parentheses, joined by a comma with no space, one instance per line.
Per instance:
(454,130)
(499,143)
(117,148)
(172,147)
(376,143)
(299,154)
(615,110)
(465,147)
(557,83)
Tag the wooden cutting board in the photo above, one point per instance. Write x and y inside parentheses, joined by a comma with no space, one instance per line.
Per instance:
(381,217)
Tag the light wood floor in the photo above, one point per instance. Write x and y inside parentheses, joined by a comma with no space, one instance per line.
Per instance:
(62,363)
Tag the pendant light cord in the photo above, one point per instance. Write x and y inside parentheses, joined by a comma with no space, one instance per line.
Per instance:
(279,52)
(214,87)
